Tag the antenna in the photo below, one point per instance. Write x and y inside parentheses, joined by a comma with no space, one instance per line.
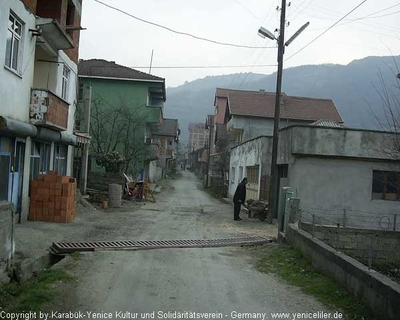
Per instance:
(151,60)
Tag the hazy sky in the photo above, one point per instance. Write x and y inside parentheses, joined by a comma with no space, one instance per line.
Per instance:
(111,35)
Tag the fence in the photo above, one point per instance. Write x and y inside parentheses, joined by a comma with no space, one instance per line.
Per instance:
(375,248)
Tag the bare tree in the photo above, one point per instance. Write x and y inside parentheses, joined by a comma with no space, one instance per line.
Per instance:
(118,133)
(389,118)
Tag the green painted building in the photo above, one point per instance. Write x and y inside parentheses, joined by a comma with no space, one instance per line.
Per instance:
(126,108)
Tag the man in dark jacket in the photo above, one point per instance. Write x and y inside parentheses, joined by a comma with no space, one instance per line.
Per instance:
(239,198)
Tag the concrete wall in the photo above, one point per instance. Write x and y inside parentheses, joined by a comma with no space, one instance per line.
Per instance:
(256,126)
(339,142)
(219,118)
(376,291)
(252,126)
(152,171)
(251,153)
(357,242)
(6,239)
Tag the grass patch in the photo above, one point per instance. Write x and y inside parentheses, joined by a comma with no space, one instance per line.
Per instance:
(215,194)
(32,295)
(76,255)
(293,267)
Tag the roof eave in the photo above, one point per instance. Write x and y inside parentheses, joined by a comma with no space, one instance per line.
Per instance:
(125,79)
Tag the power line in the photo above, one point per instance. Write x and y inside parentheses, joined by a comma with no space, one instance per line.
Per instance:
(337,14)
(206,67)
(383,15)
(265,21)
(387,8)
(180,32)
(372,15)
(321,34)
(247,9)
(302,10)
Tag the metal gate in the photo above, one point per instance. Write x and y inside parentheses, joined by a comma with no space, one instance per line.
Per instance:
(252,182)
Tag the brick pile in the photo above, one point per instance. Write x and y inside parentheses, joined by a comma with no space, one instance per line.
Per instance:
(53,198)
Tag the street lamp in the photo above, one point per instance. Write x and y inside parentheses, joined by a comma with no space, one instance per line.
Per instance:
(264,33)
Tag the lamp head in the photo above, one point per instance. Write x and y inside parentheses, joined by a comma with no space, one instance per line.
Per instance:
(264,33)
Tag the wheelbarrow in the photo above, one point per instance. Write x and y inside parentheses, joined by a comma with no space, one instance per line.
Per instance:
(257,209)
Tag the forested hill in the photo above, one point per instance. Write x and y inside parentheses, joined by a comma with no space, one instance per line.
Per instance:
(356,89)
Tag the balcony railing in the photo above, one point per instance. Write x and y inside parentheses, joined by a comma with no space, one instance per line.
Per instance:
(48,110)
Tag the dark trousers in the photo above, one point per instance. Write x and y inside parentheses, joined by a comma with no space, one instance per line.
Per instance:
(236,209)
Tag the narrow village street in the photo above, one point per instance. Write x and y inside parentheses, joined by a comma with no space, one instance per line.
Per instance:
(201,280)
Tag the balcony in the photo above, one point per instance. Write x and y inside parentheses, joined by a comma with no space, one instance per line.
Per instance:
(48,110)
(51,37)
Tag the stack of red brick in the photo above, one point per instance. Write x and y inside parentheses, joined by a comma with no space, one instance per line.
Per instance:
(53,198)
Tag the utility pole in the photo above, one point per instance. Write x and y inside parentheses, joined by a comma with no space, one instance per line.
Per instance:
(210,125)
(273,186)
(85,151)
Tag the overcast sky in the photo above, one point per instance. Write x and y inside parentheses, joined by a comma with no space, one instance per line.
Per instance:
(111,35)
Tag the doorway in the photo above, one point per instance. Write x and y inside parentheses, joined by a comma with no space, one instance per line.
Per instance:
(17,171)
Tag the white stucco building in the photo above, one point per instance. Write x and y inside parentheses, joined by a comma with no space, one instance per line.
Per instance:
(341,175)
(345,176)
(38,85)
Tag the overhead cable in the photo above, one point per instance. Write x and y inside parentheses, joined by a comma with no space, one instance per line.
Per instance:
(180,32)
(206,67)
(325,31)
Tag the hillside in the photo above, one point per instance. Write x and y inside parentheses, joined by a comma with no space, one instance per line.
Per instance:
(353,87)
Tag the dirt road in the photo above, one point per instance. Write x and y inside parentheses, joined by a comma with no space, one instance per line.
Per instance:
(205,280)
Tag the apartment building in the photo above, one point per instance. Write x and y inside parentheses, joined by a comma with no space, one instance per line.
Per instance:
(198,136)
(39,42)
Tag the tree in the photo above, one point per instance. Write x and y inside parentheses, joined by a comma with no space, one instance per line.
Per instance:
(118,135)
(389,119)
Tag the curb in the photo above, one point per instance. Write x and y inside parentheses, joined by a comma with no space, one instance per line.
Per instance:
(26,269)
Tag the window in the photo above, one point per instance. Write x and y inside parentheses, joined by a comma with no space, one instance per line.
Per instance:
(252,174)
(70,19)
(385,185)
(240,173)
(65,82)
(14,43)
(40,159)
(155,97)
(60,159)
(233,175)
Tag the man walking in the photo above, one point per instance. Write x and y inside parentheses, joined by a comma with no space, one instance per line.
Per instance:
(239,198)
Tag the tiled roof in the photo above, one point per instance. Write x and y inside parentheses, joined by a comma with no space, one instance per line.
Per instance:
(169,127)
(109,69)
(327,123)
(262,104)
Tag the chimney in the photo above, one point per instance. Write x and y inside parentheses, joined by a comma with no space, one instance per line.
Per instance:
(281,99)
(261,91)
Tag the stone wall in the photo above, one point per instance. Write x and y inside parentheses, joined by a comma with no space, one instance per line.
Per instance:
(100,181)
(380,294)
(359,243)
(6,239)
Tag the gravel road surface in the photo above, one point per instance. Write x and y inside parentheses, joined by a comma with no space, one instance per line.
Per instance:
(221,281)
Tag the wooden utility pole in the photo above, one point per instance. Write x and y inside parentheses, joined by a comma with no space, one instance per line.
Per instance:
(273,190)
